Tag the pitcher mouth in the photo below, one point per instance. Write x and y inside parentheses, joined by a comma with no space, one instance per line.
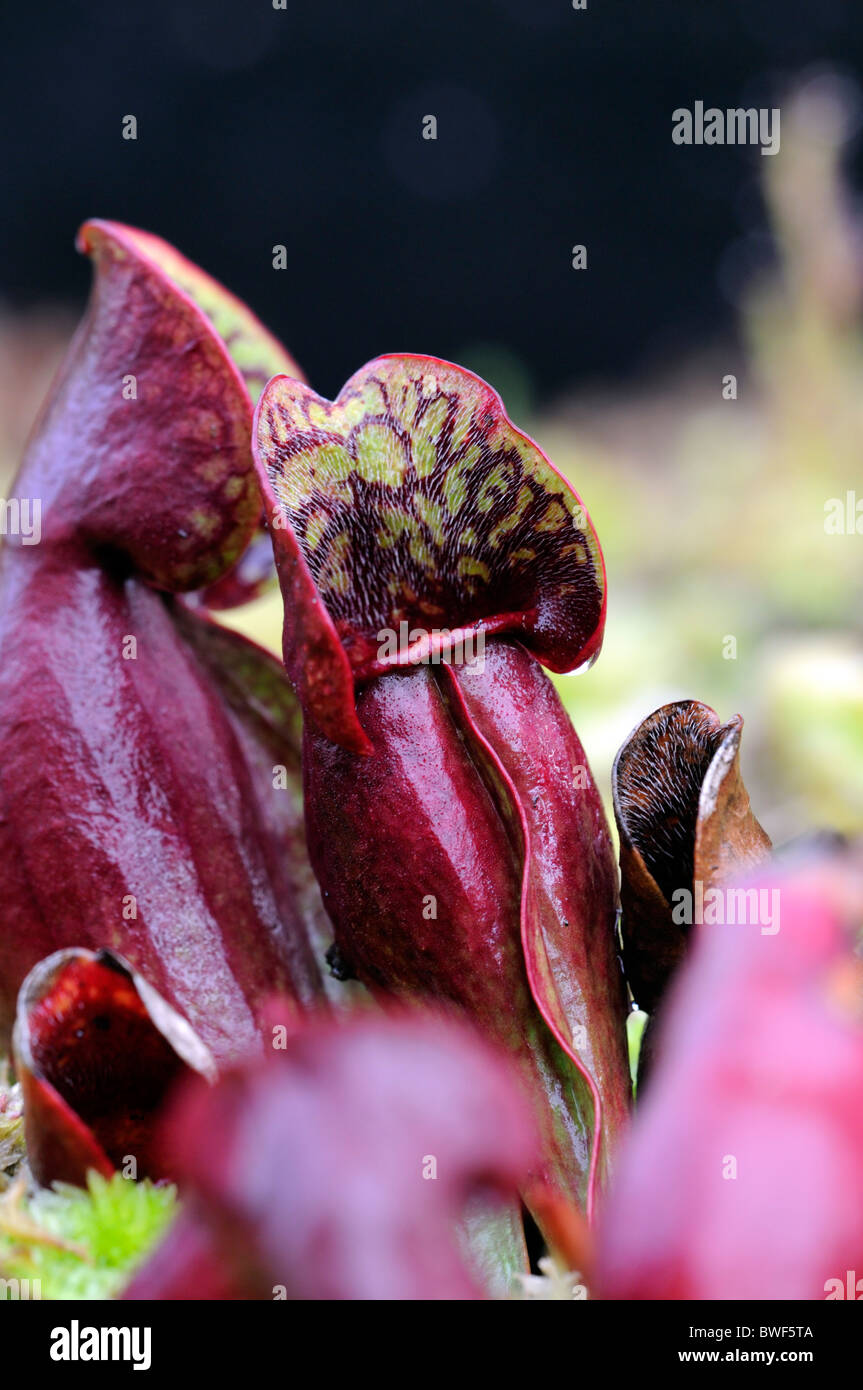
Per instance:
(409,646)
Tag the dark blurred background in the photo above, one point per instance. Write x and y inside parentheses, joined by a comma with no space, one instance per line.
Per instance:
(302,126)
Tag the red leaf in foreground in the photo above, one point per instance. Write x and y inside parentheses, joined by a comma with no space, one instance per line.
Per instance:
(339,1167)
(743,1174)
(135,804)
(430,557)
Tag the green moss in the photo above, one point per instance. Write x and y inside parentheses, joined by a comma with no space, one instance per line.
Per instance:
(83,1244)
